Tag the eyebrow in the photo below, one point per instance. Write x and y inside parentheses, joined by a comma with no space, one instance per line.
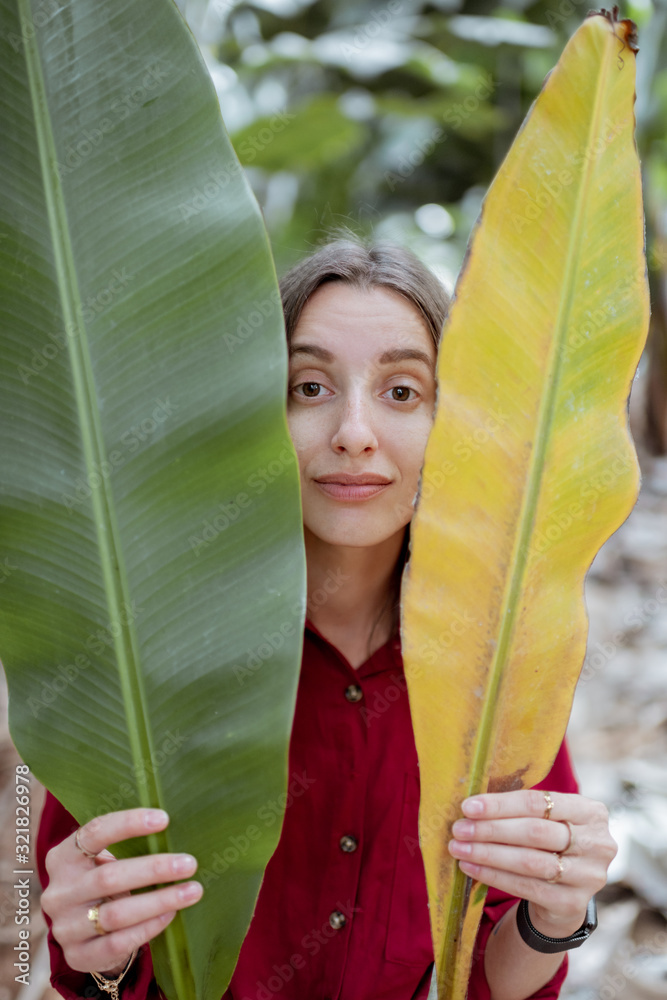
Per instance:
(387,358)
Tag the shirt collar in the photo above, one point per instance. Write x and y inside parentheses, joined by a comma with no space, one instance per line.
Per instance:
(387,657)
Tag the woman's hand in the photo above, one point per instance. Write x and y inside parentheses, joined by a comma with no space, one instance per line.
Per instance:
(78,882)
(557,864)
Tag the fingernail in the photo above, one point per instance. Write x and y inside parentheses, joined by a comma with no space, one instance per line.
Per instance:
(184,863)
(463,828)
(456,847)
(191,891)
(468,867)
(155,818)
(472,807)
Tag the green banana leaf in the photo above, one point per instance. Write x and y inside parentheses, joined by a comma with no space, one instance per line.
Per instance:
(150,524)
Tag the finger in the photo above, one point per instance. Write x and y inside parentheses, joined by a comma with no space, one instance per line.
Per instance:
(531,802)
(119,914)
(111,828)
(108,950)
(104,857)
(565,900)
(523,861)
(539,833)
(131,873)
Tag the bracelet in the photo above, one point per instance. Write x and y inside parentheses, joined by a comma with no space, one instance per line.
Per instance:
(541,942)
(110,986)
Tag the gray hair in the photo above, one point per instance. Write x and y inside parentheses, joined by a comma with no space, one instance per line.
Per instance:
(366,264)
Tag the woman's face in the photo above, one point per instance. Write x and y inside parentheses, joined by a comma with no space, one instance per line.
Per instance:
(361,401)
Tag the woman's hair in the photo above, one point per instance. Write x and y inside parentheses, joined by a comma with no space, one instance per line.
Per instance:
(369,264)
(365,264)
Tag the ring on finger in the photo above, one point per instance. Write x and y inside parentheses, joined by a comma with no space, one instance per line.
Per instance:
(94,917)
(569,848)
(549,805)
(561,868)
(77,841)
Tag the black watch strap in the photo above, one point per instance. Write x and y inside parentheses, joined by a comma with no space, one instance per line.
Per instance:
(540,942)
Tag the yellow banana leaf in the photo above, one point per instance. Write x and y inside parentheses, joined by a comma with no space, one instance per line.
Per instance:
(529,466)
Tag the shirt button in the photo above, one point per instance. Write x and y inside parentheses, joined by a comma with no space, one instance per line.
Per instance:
(354,693)
(337,920)
(348,844)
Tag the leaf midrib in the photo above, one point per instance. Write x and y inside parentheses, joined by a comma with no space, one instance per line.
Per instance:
(115,585)
(113,571)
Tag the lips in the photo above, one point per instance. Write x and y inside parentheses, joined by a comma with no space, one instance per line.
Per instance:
(360,479)
(344,486)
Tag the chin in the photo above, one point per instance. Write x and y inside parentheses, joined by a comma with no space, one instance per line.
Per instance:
(353,531)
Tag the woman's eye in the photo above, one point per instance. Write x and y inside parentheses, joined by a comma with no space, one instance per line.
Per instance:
(310,389)
(401,393)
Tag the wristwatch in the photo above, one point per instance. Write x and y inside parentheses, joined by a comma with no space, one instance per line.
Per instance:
(540,942)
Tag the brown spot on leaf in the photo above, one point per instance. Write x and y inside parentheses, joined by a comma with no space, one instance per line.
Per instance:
(508,782)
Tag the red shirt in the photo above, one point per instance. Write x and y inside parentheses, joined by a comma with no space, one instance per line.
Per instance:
(342,911)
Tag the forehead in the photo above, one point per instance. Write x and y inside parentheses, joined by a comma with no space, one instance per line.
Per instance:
(363,319)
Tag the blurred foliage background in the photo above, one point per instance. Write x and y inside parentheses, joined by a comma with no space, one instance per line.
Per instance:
(394,117)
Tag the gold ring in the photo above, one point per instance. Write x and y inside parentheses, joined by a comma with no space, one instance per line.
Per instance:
(570,843)
(559,873)
(89,854)
(550,804)
(94,917)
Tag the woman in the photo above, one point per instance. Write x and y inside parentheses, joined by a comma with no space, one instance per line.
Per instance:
(342,911)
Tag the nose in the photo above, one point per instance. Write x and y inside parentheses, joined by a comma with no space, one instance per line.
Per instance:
(354,432)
